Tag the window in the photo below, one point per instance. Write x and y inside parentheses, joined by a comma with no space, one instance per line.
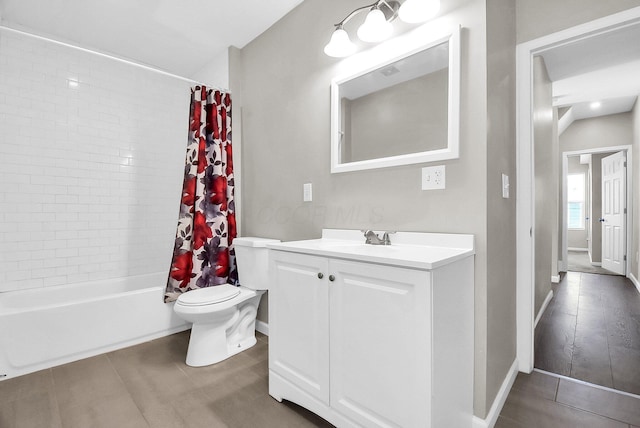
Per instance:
(575,201)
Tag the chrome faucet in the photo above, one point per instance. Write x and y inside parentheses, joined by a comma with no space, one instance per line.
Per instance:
(373,239)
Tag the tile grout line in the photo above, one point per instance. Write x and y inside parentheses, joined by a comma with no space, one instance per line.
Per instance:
(593,385)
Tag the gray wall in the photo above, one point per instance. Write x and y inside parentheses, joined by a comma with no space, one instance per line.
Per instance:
(544,128)
(501,213)
(537,18)
(284,79)
(600,132)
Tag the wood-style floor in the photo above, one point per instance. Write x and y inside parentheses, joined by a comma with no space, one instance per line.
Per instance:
(591,331)
(149,386)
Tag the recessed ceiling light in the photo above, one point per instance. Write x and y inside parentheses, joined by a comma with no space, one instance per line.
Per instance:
(72,83)
(595,105)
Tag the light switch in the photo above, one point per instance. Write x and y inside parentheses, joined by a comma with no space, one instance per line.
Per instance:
(505,186)
(307,192)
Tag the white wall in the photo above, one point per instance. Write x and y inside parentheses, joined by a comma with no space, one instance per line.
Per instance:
(90,177)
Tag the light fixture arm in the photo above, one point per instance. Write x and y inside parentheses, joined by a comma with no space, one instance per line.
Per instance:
(390,14)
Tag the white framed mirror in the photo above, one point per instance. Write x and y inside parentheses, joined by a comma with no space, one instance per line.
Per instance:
(398,104)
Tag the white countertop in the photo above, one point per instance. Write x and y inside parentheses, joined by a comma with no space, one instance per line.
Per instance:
(408,249)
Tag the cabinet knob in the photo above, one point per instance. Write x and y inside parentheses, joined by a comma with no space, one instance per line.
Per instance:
(320,275)
(332,278)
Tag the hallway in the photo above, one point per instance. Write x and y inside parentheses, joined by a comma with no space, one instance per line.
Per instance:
(591,331)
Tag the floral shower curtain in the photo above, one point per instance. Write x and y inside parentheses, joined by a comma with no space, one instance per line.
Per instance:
(203,254)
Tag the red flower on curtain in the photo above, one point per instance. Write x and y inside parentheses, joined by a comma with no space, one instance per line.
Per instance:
(222,262)
(229,169)
(219,192)
(203,250)
(201,231)
(189,191)
(182,267)
(232,227)
(202,155)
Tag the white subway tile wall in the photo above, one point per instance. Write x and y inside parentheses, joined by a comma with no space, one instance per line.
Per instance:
(91,162)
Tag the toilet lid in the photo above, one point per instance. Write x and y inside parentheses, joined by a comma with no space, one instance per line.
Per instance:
(208,295)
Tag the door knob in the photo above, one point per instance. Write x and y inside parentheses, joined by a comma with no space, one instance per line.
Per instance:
(320,275)
(601,220)
(332,278)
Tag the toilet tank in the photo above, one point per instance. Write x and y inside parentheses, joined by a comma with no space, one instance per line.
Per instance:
(253,261)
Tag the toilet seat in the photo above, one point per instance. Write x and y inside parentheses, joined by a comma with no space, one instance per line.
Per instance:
(209,295)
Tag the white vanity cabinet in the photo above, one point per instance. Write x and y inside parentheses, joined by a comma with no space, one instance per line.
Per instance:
(366,344)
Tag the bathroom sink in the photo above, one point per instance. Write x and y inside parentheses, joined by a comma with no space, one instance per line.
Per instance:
(408,249)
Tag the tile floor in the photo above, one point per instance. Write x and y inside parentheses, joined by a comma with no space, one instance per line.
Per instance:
(591,331)
(541,400)
(149,386)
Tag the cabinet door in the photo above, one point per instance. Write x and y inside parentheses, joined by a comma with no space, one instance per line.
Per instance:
(380,344)
(299,321)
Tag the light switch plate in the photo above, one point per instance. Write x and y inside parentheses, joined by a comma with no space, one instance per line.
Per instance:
(433,177)
(505,186)
(307,190)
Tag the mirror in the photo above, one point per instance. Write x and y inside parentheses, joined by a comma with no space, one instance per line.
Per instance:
(400,110)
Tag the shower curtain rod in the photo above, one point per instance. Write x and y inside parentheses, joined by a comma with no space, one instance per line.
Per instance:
(115,58)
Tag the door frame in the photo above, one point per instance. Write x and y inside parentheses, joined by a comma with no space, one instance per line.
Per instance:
(629,200)
(525,203)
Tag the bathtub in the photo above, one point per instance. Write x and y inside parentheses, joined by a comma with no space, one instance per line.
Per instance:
(46,327)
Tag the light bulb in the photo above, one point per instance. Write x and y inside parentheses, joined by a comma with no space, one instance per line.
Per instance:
(414,11)
(375,28)
(340,45)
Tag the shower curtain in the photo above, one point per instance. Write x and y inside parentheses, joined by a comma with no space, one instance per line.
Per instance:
(203,254)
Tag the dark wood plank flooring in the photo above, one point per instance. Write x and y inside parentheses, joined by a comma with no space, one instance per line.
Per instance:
(591,331)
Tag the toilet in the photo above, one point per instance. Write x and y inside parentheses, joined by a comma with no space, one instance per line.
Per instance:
(224,316)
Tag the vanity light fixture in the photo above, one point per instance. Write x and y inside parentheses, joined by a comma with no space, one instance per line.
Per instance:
(377,24)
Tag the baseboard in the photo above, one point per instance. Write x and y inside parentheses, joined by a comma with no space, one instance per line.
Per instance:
(582,250)
(262,327)
(498,403)
(543,307)
(635,281)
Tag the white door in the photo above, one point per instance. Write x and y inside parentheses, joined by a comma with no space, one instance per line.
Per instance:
(614,209)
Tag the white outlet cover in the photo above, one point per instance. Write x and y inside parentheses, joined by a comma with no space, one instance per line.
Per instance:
(433,177)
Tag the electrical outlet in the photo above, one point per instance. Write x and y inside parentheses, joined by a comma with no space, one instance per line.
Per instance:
(433,177)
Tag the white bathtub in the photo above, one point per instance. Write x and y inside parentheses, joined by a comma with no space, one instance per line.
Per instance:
(46,327)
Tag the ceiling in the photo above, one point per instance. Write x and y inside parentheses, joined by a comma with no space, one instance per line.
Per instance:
(178,36)
(602,68)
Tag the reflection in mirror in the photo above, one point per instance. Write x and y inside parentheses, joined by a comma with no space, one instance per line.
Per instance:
(399,110)
(396,109)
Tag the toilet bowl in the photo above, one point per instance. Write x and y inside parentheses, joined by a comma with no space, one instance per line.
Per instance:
(224,316)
